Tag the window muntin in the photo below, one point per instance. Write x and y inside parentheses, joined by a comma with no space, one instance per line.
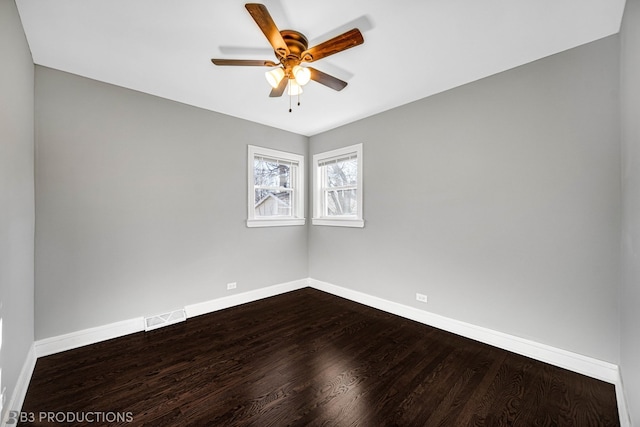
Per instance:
(276,188)
(338,187)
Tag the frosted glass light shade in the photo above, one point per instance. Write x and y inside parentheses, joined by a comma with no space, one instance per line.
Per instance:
(302,75)
(274,77)
(294,88)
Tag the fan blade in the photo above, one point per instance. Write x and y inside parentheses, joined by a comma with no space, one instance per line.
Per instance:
(247,62)
(337,44)
(326,79)
(261,15)
(278,91)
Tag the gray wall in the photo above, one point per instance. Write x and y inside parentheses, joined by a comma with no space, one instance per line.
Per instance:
(141,206)
(500,200)
(630,294)
(16,197)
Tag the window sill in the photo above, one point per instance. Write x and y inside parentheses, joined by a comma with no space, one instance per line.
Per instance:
(251,223)
(343,222)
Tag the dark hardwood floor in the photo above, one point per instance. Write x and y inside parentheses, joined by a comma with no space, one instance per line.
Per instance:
(307,358)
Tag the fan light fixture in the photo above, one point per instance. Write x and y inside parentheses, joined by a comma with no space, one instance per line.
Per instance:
(274,77)
(294,88)
(296,78)
(301,76)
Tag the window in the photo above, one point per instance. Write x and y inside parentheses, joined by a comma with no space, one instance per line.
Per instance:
(337,187)
(276,188)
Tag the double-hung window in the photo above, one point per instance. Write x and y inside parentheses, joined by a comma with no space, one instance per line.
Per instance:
(276,188)
(337,184)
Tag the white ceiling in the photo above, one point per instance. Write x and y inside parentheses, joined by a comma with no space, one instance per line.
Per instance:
(412,49)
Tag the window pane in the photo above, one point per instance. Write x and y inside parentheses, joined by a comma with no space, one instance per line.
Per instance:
(342,173)
(271,173)
(341,202)
(272,203)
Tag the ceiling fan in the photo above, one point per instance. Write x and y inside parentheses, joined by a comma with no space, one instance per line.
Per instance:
(291,50)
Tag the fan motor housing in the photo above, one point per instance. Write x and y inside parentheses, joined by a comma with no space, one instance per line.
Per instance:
(296,42)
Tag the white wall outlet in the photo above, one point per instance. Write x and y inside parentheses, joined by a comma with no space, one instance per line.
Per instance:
(421,297)
(231,285)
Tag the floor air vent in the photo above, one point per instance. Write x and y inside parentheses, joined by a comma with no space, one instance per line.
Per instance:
(160,320)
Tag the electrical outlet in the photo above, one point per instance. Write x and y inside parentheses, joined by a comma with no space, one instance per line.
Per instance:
(231,285)
(421,297)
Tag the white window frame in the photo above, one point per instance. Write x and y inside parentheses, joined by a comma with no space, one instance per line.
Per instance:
(297,185)
(319,218)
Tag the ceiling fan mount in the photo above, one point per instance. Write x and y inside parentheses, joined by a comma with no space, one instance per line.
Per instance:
(291,49)
(296,42)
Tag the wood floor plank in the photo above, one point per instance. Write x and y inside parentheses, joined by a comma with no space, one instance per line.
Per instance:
(307,358)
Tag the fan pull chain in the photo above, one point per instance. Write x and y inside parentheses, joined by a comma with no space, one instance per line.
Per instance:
(291,96)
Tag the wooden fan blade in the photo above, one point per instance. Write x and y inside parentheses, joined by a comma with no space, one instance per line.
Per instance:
(261,15)
(246,62)
(326,79)
(332,46)
(278,91)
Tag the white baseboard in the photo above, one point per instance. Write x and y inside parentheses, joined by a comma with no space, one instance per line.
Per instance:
(20,390)
(565,359)
(623,411)
(72,340)
(595,368)
(57,344)
(243,298)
